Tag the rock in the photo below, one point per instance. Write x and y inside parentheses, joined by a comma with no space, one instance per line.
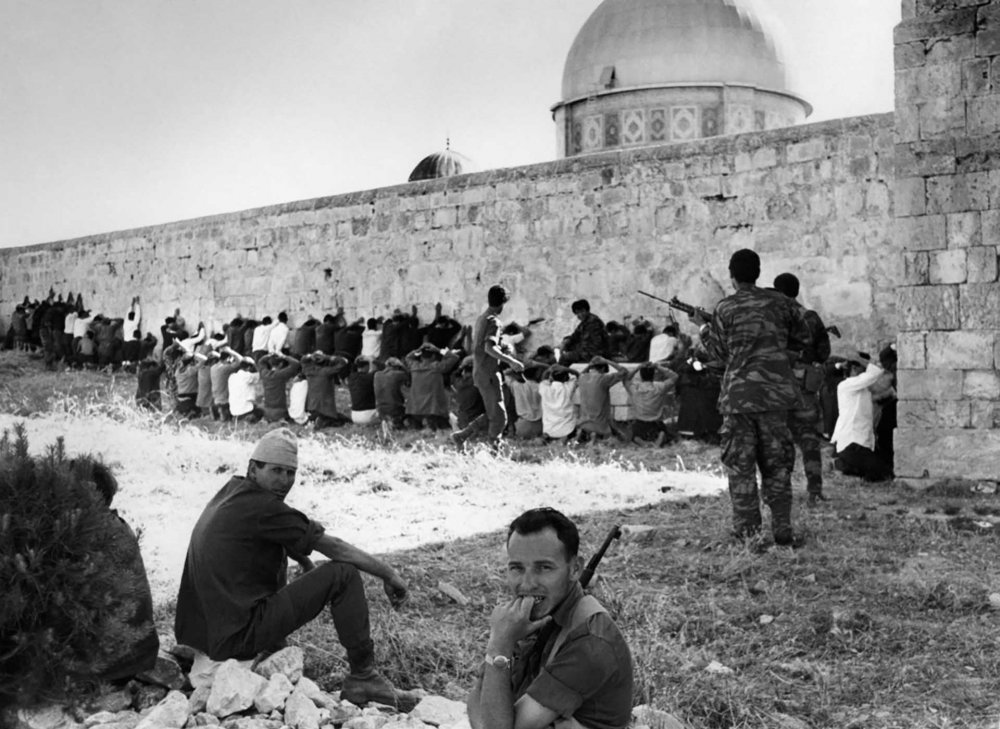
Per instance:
(255,722)
(205,719)
(288,661)
(167,673)
(655,718)
(43,717)
(369,721)
(198,699)
(101,717)
(310,690)
(272,696)
(114,702)
(449,590)
(341,713)
(148,696)
(462,723)
(301,712)
(233,689)
(438,710)
(118,720)
(171,712)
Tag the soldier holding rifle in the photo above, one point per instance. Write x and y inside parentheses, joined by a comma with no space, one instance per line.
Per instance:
(555,656)
(752,331)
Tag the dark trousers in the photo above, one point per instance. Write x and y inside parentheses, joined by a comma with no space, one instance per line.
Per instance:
(856,460)
(220,411)
(804,424)
(334,584)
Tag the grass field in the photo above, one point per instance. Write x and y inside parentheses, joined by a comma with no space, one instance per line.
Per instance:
(886,617)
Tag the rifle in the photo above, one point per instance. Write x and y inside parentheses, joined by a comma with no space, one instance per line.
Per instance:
(588,571)
(676,303)
(834,330)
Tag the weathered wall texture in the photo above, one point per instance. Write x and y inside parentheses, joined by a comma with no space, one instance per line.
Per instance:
(947,200)
(814,199)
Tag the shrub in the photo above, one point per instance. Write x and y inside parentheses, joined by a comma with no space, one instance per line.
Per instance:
(62,614)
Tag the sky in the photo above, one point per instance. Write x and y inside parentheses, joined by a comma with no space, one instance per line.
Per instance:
(116,114)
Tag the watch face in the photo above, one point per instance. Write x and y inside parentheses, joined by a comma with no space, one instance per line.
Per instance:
(500,662)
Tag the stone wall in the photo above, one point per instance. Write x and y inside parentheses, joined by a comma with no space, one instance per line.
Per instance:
(812,199)
(947,202)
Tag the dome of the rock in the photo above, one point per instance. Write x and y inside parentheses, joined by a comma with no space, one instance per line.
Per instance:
(653,71)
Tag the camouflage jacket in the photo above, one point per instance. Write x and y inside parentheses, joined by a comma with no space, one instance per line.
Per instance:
(590,338)
(755,334)
(817,351)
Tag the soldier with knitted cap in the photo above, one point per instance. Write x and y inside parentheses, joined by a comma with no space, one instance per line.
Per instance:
(751,334)
(234,601)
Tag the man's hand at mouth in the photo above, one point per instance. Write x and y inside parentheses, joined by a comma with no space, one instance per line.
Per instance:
(511,621)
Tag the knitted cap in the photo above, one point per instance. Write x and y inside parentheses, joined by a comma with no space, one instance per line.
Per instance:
(278,447)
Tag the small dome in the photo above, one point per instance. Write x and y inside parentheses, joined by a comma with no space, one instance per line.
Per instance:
(643,43)
(442,164)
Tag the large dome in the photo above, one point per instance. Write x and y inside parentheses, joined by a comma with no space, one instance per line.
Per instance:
(660,71)
(657,42)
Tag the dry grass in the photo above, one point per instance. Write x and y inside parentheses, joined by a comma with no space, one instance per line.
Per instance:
(883,619)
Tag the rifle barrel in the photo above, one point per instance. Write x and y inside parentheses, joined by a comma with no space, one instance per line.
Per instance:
(653,297)
(588,572)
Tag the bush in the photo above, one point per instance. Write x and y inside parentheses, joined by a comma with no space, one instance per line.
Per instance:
(69,605)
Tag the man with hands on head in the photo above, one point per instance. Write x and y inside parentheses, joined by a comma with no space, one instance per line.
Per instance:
(554,656)
(234,601)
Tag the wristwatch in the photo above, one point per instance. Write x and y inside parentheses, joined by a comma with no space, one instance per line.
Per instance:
(501,662)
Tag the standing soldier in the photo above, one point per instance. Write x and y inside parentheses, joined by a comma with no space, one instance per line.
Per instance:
(808,371)
(752,332)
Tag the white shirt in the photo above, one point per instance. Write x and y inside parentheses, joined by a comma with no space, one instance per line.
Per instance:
(527,401)
(70,322)
(297,401)
(277,338)
(261,333)
(558,414)
(855,422)
(81,325)
(371,343)
(661,347)
(242,392)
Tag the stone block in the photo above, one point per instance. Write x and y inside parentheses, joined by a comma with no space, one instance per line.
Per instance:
(949,50)
(940,79)
(923,233)
(916,414)
(963,230)
(948,267)
(982,264)
(976,76)
(938,7)
(909,55)
(911,350)
(951,453)
(943,26)
(980,306)
(765,157)
(941,116)
(929,384)
(958,193)
(985,414)
(910,196)
(927,307)
(982,385)
(923,159)
(916,268)
(988,30)
(907,128)
(961,350)
(806,151)
(977,154)
(909,9)
(983,115)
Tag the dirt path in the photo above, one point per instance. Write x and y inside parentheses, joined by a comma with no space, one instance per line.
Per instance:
(380,500)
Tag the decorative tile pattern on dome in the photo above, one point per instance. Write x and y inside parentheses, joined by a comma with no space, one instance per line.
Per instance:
(739,119)
(633,126)
(710,121)
(593,132)
(612,128)
(683,123)
(657,125)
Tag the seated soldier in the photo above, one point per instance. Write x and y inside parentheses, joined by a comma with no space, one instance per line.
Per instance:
(554,656)
(649,395)
(233,600)
(588,340)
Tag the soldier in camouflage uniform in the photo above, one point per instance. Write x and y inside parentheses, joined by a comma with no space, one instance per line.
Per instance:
(808,371)
(751,333)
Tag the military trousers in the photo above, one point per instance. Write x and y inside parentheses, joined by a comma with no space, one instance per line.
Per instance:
(804,424)
(752,441)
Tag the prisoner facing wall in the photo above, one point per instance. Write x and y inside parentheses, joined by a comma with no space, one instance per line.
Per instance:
(813,199)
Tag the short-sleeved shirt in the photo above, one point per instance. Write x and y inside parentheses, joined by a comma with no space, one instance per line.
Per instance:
(558,413)
(527,401)
(237,557)
(588,678)
(649,397)
(487,331)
